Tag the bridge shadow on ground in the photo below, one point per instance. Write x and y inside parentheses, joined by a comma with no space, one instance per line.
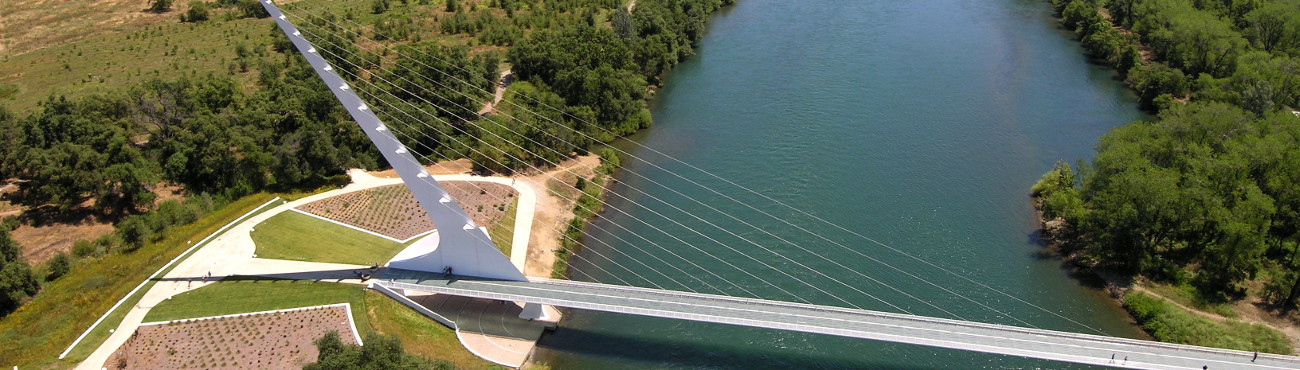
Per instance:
(353,276)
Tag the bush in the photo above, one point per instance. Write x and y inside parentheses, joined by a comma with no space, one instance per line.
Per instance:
(252,9)
(58,266)
(85,248)
(134,231)
(159,6)
(198,12)
(10,223)
(380,352)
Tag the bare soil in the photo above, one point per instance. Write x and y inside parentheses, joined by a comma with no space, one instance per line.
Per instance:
(459,166)
(264,341)
(40,243)
(554,210)
(392,210)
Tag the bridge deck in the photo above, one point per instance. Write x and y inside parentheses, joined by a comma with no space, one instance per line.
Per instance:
(874,325)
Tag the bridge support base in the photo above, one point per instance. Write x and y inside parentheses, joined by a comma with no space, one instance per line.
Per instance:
(532,311)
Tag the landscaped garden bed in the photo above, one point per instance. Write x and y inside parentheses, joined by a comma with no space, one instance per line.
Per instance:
(393,212)
(272,340)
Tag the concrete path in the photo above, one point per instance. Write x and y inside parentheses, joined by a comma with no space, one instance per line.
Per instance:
(232,254)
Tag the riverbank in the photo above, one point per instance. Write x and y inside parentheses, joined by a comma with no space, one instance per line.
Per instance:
(1207,283)
(1176,314)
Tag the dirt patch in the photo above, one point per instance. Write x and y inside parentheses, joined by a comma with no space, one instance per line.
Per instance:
(554,210)
(168,192)
(456,167)
(40,243)
(281,340)
(392,210)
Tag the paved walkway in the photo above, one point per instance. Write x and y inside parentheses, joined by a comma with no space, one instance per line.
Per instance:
(232,254)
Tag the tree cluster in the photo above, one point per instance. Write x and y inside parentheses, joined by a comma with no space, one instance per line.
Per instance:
(580,80)
(204,134)
(1242,52)
(1206,193)
(380,352)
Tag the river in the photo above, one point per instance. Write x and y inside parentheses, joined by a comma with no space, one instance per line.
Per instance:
(918,124)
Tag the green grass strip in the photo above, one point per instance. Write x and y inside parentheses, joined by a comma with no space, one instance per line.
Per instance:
(1169,323)
(299,237)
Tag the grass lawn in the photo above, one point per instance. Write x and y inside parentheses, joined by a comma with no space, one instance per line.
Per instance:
(372,312)
(295,236)
(1186,295)
(503,231)
(34,335)
(250,294)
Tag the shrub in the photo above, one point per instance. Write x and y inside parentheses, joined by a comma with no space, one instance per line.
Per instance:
(84,248)
(58,266)
(160,6)
(198,12)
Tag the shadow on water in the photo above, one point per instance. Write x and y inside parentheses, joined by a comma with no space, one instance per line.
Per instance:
(694,354)
(1046,251)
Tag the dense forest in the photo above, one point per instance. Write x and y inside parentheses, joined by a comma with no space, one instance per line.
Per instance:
(1205,195)
(584,67)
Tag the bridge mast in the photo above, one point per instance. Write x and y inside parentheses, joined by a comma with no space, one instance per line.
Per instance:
(457,243)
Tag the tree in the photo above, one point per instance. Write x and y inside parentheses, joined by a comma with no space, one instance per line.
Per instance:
(16,279)
(1275,27)
(160,6)
(198,12)
(135,231)
(1152,80)
(252,9)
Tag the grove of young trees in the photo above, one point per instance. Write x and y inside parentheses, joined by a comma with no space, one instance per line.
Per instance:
(1206,194)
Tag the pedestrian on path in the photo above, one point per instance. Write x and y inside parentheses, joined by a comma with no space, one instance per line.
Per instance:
(1252,359)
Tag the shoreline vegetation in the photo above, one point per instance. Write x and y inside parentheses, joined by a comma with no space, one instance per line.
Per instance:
(1193,219)
(590,194)
(202,104)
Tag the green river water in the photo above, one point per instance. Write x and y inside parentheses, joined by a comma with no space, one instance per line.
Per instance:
(918,124)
